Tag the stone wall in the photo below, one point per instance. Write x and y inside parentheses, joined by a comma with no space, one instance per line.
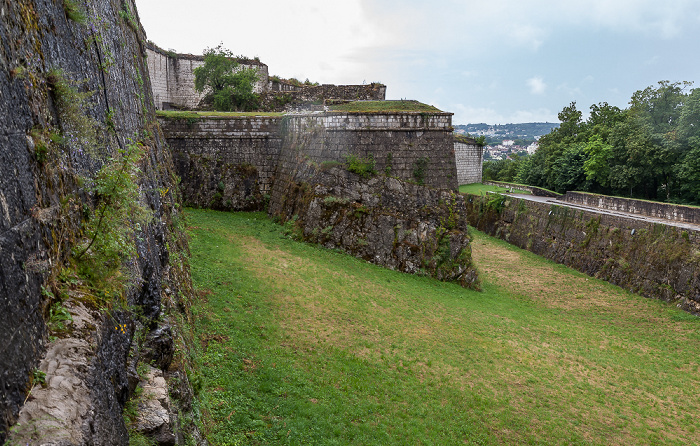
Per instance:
(225,163)
(410,146)
(667,211)
(236,162)
(172,78)
(469,158)
(45,196)
(654,260)
(398,225)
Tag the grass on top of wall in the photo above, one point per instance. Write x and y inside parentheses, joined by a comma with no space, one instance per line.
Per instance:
(302,345)
(178,114)
(385,107)
(481,189)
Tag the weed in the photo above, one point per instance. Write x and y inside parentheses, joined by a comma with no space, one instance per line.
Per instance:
(496,202)
(59,318)
(38,377)
(117,216)
(79,129)
(331,200)
(75,11)
(420,167)
(364,167)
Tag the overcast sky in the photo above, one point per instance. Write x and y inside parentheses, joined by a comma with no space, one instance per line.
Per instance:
(493,61)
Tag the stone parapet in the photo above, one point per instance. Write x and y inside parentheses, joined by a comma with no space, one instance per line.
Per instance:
(667,211)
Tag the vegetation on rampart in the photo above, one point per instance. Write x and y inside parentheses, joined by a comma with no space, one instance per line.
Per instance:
(385,107)
(230,87)
(302,345)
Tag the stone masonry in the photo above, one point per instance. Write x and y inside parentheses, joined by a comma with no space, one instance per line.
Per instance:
(468,156)
(211,152)
(172,77)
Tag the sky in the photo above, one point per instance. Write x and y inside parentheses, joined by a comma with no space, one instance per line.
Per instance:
(492,61)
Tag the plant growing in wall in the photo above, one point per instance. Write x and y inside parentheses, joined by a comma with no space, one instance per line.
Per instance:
(364,167)
(420,167)
(112,225)
(230,86)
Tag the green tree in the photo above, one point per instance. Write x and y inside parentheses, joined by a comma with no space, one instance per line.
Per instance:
(597,165)
(230,87)
(568,170)
(541,171)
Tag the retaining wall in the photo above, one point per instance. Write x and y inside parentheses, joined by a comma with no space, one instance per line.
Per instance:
(654,260)
(225,163)
(410,146)
(237,162)
(668,211)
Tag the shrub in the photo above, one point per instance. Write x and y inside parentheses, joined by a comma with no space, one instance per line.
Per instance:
(420,167)
(74,11)
(364,167)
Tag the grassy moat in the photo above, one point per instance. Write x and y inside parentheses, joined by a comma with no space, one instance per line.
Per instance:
(298,345)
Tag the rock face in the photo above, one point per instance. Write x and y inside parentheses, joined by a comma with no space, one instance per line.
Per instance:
(74,94)
(654,260)
(401,226)
(155,417)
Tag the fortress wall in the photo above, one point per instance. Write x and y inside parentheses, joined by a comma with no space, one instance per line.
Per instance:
(172,77)
(468,156)
(256,156)
(409,146)
(226,164)
(47,190)
(666,211)
(654,260)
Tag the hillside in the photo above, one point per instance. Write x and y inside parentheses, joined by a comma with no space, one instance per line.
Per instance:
(529,131)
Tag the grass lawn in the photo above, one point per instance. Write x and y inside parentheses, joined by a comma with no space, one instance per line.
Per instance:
(386,107)
(299,345)
(481,189)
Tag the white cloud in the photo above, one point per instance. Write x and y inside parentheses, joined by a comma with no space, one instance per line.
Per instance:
(537,85)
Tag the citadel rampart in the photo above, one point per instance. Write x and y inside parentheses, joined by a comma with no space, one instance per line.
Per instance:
(654,260)
(468,156)
(667,211)
(172,81)
(225,163)
(234,162)
(172,77)
(50,63)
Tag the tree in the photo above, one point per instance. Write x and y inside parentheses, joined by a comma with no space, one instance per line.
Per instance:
(229,86)
(597,165)
(568,170)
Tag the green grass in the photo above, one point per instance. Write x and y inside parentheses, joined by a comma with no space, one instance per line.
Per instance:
(175,114)
(386,107)
(301,345)
(481,189)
